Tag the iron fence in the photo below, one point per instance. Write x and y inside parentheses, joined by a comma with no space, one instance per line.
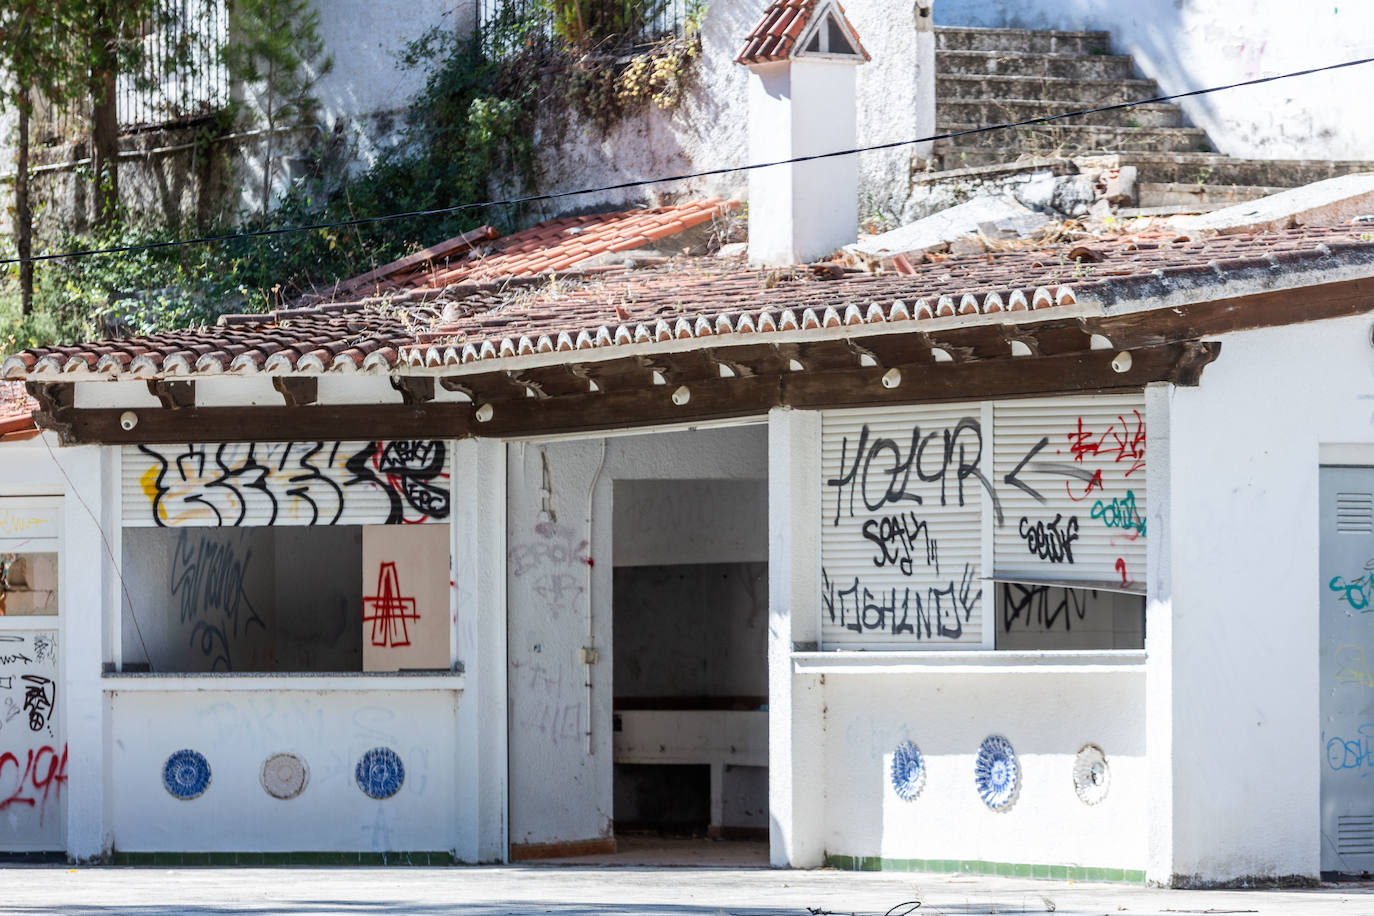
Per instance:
(509,25)
(180,70)
(175,70)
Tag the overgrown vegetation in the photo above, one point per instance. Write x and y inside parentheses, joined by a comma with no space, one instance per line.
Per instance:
(468,137)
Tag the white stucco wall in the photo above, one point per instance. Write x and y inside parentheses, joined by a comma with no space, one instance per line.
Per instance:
(1047,717)
(709,130)
(1243,539)
(366,38)
(1192,44)
(37,467)
(323,722)
(558,791)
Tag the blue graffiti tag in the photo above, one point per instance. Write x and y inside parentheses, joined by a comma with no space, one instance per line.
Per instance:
(1353,753)
(1355,592)
(1121,513)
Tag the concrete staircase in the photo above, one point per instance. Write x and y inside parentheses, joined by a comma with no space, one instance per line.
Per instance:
(989,76)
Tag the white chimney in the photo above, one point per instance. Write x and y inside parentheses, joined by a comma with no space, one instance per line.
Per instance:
(802,56)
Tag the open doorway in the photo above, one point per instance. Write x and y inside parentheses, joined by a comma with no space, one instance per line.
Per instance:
(690,609)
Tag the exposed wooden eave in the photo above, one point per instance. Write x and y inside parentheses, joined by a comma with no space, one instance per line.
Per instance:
(626,402)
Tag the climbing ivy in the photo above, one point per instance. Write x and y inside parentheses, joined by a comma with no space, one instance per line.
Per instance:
(469,135)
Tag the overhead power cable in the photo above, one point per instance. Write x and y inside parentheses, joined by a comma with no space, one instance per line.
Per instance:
(685,176)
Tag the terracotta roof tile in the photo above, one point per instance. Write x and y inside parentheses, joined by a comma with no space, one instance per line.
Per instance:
(776,35)
(684,298)
(16,411)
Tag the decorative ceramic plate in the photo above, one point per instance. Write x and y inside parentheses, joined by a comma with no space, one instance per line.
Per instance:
(908,771)
(380,773)
(1091,775)
(996,772)
(284,775)
(186,774)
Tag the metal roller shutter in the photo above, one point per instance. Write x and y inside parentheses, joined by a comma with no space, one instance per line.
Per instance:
(901,542)
(286,483)
(1071,477)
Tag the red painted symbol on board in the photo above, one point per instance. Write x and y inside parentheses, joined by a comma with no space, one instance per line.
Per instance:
(389,610)
(1121,568)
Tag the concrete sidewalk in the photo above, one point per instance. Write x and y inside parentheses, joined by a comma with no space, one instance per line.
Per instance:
(584,891)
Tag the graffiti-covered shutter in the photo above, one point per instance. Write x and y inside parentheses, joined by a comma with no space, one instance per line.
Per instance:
(286,483)
(902,493)
(1071,475)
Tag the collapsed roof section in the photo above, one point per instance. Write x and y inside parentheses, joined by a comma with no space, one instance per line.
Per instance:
(711,301)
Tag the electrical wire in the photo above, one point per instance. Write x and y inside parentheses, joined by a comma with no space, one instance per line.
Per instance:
(685,176)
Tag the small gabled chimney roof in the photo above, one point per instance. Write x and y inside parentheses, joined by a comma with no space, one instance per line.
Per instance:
(790,28)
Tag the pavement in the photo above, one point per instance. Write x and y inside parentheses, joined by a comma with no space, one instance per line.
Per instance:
(616,891)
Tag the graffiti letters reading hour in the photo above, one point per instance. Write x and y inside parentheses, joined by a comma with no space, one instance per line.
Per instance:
(295,483)
(891,497)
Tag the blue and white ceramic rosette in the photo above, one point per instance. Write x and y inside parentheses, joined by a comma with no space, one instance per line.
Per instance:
(380,773)
(186,774)
(996,772)
(908,771)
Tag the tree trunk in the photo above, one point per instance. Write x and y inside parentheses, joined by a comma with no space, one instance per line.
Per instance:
(104,115)
(271,134)
(23,211)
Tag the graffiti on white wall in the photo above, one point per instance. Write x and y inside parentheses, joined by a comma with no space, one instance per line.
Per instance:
(287,483)
(913,497)
(33,749)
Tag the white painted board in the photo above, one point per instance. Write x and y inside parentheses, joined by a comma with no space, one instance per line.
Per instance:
(405,582)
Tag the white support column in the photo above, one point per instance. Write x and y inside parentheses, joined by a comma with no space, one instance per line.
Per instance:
(479,576)
(796,725)
(84,567)
(1159,644)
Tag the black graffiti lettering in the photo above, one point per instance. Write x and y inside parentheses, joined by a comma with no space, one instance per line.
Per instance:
(882,465)
(1050,542)
(272,478)
(840,483)
(1032,605)
(971,468)
(208,580)
(896,537)
(40,695)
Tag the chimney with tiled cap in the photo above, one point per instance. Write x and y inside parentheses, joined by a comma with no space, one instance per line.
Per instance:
(802,56)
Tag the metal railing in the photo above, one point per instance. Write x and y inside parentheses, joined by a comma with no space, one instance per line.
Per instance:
(180,71)
(177,72)
(509,25)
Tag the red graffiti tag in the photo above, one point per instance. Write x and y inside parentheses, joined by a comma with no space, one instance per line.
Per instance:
(1124,444)
(390,610)
(1121,568)
(42,774)
(1094,483)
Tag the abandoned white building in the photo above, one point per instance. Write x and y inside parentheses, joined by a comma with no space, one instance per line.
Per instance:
(1053,561)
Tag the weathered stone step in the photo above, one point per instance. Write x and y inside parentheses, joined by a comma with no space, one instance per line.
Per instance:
(1075,139)
(968,38)
(1014,63)
(1216,169)
(998,110)
(1052,89)
(1199,196)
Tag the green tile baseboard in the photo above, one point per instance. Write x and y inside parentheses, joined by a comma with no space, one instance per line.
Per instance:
(980,867)
(283,858)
